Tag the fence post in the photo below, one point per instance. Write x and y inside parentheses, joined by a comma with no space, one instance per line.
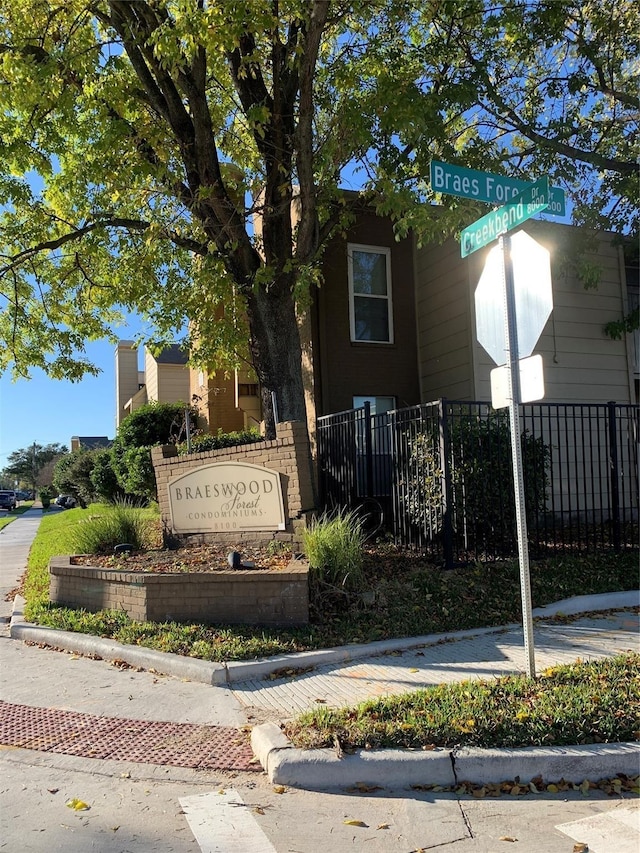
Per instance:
(447,496)
(368,450)
(613,475)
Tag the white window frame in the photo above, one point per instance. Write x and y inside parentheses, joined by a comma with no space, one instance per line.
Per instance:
(376,250)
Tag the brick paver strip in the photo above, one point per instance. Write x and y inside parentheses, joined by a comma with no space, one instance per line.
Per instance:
(143,741)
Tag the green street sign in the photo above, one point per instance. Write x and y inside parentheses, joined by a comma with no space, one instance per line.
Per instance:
(488,228)
(484,186)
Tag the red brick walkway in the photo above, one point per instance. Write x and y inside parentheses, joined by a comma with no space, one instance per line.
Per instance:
(114,738)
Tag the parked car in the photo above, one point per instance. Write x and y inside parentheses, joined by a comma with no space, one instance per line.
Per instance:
(65,501)
(8,499)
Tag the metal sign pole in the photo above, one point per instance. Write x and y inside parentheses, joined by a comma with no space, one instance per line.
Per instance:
(511,338)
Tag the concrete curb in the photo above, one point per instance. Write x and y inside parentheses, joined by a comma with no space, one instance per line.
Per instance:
(323,770)
(238,671)
(85,644)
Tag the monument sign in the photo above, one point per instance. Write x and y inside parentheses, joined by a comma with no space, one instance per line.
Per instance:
(226,497)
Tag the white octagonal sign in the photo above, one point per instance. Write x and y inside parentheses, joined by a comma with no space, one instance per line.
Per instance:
(533,297)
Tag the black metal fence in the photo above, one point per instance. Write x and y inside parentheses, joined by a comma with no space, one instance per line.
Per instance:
(438,476)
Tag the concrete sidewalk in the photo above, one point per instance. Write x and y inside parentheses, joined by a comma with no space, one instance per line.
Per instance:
(261,693)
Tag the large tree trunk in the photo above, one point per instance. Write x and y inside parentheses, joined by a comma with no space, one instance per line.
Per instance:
(276,352)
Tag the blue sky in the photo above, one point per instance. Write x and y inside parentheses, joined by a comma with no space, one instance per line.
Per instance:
(48,410)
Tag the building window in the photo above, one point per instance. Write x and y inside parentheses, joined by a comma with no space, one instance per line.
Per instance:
(380,436)
(379,405)
(247,389)
(370,306)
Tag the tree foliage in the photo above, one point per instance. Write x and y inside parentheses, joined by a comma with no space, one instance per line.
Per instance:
(28,463)
(523,88)
(73,475)
(140,139)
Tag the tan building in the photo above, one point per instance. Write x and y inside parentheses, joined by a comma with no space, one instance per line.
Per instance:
(394,325)
(165,378)
(224,402)
(581,362)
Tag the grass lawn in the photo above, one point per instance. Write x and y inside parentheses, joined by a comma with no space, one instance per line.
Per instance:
(7,518)
(579,703)
(403,596)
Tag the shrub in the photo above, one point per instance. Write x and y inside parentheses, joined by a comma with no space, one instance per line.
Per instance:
(103,478)
(134,470)
(151,424)
(203,443)
(154,423)
(333,543)
(481,500)
(124,522)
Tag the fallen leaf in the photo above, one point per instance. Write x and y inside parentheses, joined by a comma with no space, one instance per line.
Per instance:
(258,810)
(507,838)
(414,669)
(365,789)
(553,789)
(354,823)
(77,805)
(322,701)
(279,789)
(580,848)
(479,792)
(382,826)
(53,790)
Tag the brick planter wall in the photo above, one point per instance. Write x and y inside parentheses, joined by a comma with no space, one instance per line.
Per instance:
(288,454)
(231,597)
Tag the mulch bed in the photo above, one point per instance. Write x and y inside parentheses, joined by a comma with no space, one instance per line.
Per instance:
(192,558)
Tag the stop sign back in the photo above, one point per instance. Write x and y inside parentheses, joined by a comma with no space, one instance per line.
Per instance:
(533,297)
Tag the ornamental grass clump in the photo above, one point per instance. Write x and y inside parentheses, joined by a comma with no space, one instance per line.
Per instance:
(121,523)
(333,544)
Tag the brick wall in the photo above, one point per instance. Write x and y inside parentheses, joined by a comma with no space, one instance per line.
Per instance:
(231,597)
(288,454)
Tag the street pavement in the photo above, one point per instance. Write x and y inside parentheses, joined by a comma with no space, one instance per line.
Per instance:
(159,745)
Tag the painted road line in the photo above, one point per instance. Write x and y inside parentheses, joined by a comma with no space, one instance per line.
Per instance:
(615,831)
(222,823)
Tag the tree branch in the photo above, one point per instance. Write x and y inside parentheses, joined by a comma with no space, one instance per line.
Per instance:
(308,228)
(101,223)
